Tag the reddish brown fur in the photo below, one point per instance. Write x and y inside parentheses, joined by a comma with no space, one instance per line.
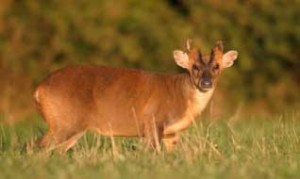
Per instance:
(117,102)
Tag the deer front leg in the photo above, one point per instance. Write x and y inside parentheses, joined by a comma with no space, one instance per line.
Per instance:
(170,133)
(170,141)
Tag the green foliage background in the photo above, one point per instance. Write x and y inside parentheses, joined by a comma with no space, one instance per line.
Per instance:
(37,37)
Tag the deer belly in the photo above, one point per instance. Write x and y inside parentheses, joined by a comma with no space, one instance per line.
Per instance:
(116,125)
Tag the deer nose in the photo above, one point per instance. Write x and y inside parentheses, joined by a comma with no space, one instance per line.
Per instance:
(206,84)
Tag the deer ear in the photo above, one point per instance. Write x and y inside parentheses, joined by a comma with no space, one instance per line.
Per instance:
(228,58)
(181,58)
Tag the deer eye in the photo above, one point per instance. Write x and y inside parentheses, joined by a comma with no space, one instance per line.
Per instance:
(195,68)
(216,67)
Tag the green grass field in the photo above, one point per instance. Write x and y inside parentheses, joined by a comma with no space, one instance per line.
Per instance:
(248,148)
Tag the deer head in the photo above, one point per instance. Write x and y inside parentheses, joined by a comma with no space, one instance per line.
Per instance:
(204,69)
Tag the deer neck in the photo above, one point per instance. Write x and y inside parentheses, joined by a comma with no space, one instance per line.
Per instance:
(196,100)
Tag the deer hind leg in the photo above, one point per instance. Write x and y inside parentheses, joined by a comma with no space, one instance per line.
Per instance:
(61,140)
(64,127)
(69,143)
(61,134)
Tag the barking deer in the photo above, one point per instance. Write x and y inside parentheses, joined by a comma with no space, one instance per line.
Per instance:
(129,102)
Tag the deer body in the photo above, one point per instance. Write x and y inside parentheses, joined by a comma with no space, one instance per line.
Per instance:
(118,102)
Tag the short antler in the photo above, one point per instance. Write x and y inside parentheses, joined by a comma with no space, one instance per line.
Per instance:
(217,51)
(219,45)
(188,44)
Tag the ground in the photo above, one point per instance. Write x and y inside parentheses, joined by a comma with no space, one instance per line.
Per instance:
(257,147)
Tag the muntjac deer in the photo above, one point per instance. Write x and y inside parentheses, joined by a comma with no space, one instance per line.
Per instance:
(129,102)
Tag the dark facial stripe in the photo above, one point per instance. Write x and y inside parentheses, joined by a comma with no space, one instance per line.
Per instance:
(200,58)
(212,56)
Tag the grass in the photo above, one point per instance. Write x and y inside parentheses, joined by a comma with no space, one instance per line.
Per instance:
(249,148)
